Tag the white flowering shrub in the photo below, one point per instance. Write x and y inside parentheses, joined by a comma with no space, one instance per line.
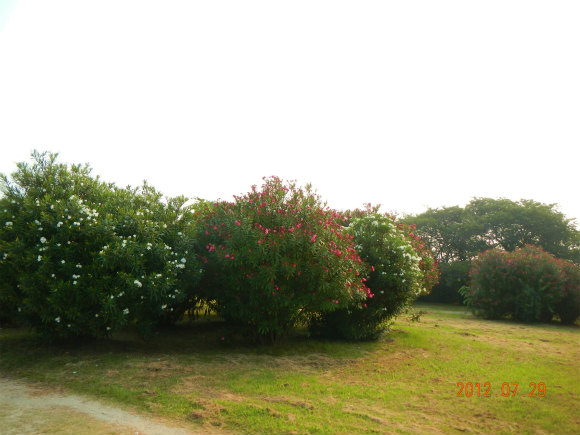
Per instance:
(151,258)
(397,277)
(79,257)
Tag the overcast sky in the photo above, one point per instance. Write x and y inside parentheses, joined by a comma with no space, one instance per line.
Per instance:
(408,104)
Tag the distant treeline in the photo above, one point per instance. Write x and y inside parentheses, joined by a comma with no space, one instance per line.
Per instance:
(457,235)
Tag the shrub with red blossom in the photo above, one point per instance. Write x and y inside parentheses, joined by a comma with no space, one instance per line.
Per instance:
(275,257)
(402,268)
(527,285)
(568,309)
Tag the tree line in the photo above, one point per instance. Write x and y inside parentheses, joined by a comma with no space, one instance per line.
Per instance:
(457,235)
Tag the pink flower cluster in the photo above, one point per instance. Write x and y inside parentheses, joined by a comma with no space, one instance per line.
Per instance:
(282,218)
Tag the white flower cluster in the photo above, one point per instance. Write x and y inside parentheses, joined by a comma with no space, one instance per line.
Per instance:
(38,224)
(178,264)
(411,257)
(79,216)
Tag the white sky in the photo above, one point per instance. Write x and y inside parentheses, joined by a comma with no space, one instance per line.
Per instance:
(408,104)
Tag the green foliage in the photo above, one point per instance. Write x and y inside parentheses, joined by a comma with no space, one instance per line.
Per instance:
(527,285)
(80,257)
(454,275)
(8,277)
(450,232)
(398,275)
(568,309)
(508,225)
(275,257)
(83,258)
(457,235)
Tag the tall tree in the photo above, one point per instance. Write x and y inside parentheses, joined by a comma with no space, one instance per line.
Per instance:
(509,225)
(450,232)
(457,235)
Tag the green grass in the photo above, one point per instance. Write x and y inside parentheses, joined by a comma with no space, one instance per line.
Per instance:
(404,383)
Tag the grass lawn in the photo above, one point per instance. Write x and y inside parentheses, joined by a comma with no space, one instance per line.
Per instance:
(405,383)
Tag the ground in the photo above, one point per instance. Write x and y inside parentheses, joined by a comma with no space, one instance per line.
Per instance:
(448,373)
(31,408)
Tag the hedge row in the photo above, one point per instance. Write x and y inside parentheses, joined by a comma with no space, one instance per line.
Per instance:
(83,258)
(278,257)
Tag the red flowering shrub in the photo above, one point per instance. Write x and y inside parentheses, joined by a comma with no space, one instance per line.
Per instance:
(276,256)
(528,285)
(568,309)
(401,269)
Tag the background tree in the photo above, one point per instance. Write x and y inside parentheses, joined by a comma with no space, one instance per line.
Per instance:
(457,235)
(508,225)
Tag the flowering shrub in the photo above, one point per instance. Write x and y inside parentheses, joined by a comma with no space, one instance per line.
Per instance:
(527,285)
(401,269)
(430,272)
(150,260)
(79,257)
(568,309)
(275,257)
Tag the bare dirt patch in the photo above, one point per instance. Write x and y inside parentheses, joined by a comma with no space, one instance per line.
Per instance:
(36,409)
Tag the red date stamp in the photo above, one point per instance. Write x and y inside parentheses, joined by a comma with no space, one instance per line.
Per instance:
(508,389)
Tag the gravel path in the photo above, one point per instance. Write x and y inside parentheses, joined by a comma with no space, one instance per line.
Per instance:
(33,409)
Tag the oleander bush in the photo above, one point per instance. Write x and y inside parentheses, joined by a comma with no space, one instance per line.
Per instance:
(528,285)
(83,258)
(277,256)
(568,309)
(430,272)
(402,268)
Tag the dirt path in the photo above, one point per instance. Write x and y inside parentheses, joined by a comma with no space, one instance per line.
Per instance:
(33,409)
